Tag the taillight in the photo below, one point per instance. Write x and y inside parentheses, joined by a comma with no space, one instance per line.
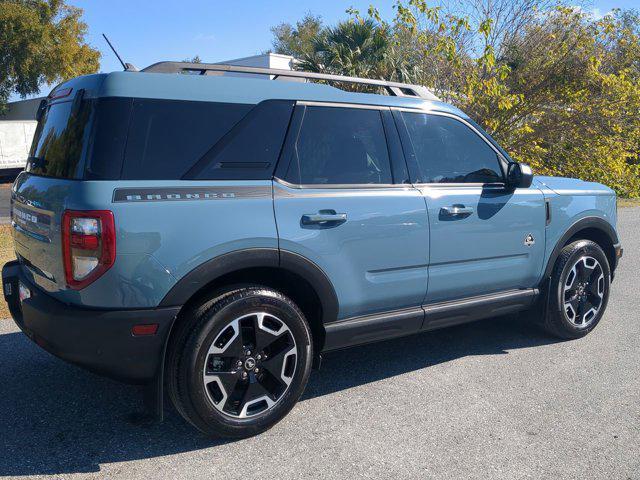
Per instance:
(88,245)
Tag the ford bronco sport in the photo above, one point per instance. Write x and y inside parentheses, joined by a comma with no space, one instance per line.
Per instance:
(210,235)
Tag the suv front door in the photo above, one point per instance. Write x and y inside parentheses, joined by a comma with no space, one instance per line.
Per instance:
(342,200)
(485,238)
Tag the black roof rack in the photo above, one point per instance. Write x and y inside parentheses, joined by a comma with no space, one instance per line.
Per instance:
(392,88)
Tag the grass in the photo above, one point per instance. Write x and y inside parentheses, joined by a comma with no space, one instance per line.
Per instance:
(6,254)
(628,202)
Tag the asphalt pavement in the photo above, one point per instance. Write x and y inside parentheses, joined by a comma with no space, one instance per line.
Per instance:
(493,399)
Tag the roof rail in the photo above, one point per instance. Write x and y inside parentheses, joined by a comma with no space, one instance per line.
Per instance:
(392,88)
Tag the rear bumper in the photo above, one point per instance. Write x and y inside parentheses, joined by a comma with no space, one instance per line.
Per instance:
(98,340)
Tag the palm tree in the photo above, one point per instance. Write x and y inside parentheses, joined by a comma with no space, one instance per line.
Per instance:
(354,48)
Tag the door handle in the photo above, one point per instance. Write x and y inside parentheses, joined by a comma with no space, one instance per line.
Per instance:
(324,218)
(456,211)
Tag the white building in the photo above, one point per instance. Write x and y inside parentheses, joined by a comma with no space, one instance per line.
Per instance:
(267,60)
(18,125)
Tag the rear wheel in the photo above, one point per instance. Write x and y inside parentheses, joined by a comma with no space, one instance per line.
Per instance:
(240,362)
(579,290)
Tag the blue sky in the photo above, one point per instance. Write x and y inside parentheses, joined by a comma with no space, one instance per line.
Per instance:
(145,32)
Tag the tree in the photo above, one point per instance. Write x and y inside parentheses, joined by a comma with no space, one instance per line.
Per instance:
(195,59)
(41,41)
(354,48)
(558,88)
(350,48)
(297,40)
(580,90)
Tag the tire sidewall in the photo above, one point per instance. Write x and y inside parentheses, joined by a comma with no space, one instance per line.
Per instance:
(579,249)
(196,354)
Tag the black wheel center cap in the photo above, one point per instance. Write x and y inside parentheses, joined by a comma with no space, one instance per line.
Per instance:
(250,363)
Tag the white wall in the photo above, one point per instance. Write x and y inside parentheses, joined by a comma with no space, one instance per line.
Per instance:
(15,142)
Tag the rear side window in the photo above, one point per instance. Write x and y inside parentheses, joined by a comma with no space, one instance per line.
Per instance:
(337,146)
(250,150)
(167,137)
(109,137)
(448,151)
(60,139)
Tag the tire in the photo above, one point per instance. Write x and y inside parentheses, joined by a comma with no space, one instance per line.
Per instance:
(239,362)
(579,290)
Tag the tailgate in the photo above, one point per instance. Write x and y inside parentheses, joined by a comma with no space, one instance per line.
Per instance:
(37,204)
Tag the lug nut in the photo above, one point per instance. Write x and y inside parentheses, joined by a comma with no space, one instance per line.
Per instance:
(259,357)
(256,370)
(247,353)
(239,363)
(244,374)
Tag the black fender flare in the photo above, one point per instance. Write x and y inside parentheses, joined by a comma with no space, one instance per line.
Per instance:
(237,260)
(597,223)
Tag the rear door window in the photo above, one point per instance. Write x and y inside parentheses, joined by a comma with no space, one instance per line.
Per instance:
(340,146)
(448,151)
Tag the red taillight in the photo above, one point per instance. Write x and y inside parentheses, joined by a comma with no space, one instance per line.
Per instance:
(87,242)
(88,245)
(144,329)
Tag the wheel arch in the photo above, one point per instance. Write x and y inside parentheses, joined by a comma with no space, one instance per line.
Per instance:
(595,229)
(293,275)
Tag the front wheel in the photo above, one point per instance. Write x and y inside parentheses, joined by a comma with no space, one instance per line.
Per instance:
(579,290)
(240,362)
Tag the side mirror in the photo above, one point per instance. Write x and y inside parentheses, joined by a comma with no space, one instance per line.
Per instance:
(519,175)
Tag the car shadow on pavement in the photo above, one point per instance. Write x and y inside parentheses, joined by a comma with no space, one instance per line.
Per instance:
(58,419)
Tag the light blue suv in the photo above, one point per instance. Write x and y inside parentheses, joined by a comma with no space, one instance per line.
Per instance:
(211,235)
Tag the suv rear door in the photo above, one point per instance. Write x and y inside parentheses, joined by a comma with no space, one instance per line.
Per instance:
(342,200)
(485,238)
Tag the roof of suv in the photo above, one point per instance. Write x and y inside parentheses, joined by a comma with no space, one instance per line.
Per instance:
(236,89)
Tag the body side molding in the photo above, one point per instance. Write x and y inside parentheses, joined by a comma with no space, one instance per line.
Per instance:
(397,323)
(371,328)
(445,314)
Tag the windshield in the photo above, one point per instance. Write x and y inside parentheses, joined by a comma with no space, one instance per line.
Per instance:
(60,140)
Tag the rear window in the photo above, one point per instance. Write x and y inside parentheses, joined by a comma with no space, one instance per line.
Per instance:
(58,146)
